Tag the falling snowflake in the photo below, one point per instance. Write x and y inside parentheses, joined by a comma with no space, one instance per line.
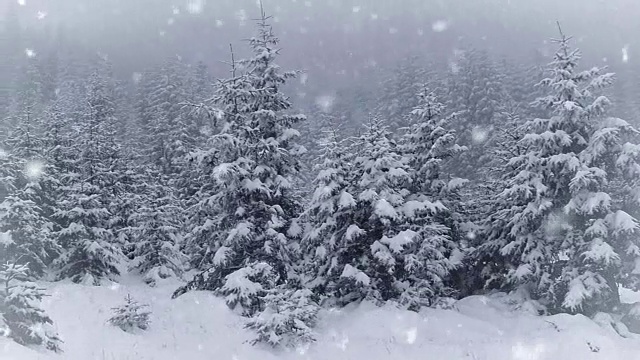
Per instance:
(136,77)
(412,335)
(195,6)
(356,9)
(22,2)
(527,352)
(440,26)
(162,33)
(307,3)
(303,78)
(242,17)
(34,169)
(471,235)
(175,10)
(325,102)
(420,32)
(625,54)
(479,135)
(41,15)
(3,153)
(30,53)
(303,30)
(374,16)
(170,21)
(219,23)
(393,30)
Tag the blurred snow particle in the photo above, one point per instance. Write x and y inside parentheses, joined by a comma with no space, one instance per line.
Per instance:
(303,30)
(170,21)
(604,59)
(136,77)
(420,32)
(412,335)
(41,15)
(625,54)
(374,16)
(440,26)
(303,78)
(307,3)
(325,102)
(200,347)
(162,33)
(34,169)
(22,2)
(175,10)
(219,23)
(527,352)
(30,53)
(3,153)
(478,135)
(356,9)
(114,286)
(393,30)
(471,235)
(195,6)
(242,17)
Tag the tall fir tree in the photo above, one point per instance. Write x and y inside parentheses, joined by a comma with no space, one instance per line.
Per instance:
(256,165)
(561,228)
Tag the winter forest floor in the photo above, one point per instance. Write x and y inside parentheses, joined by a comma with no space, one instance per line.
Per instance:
(199,326)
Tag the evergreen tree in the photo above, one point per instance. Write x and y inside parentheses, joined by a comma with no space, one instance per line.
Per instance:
(89,240)
(560,228)
(26,322)
(157,254)
(256,163)
(131,315)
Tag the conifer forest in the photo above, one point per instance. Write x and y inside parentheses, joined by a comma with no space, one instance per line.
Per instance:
(253,153)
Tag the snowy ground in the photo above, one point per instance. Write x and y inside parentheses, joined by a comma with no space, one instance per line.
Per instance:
(198,326)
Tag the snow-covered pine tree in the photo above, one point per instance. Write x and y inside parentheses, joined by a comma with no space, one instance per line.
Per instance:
(560,228)
(86,235)
(433,209)
(329,212)
(158,233)
(287,320)
(251,248)
(364,255)
(26,322)
(130,316)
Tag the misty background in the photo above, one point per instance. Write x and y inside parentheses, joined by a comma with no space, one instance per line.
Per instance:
(335,42)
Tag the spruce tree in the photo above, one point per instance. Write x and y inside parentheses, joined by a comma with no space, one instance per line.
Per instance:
(252,240)
(561,228)
(26,323)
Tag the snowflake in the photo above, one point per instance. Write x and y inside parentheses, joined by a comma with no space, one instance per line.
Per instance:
(136,77)
(440,26)
(356,9)
(170,21)
(393,30)
(175,10)
(34,169)
(195,6)
(22,2)
(479,135)
(374,16)
(30,53)
(219,23)
(625,54)
(303,79)
(325,102)
(412,335)
(41,15)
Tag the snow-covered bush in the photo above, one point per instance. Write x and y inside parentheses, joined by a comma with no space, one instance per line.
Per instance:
(21,318)
(131,315)
(287,319)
